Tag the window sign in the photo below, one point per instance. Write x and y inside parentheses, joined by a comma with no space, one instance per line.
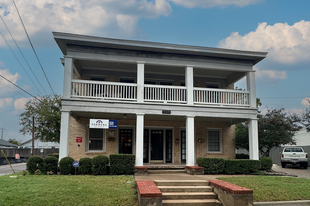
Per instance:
(112,124)
(99,123)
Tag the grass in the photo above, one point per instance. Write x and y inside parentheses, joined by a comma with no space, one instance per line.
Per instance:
(266,188)
(67,190)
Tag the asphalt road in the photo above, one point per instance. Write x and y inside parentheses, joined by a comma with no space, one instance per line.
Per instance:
(295,170)
(6,169)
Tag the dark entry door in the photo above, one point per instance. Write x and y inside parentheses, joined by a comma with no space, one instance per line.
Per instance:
(157,137)
(125,141)
(183,146)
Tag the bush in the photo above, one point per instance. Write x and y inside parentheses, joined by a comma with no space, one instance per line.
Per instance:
(65,166)
(50,164)
(241,166)
(266,163)
(54,155)
(122,164)
(211,165)
(85,166)
(242,156)
(100,165)
(34,163)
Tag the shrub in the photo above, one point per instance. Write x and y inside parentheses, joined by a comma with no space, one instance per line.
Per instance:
(242,156)
(50,164)
(38,172)
(65,166)
(34,163)
(211,165)
(266,163)
(241,166)
(54,155)
(85,166)
(122,164)
(100,165)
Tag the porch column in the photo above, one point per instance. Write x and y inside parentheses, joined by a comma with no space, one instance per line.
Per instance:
(139,139)
(140,81)
(253,139)
(189,83)
(250,81)
(68,71)
(190,141)
(64,134)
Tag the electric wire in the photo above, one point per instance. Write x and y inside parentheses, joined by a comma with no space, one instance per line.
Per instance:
(21,89)
(13,89)
(20,62)
(23,56)
(32,46)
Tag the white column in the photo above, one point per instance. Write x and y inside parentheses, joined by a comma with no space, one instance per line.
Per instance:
(64,134)
(250,80)
(190,141)
(140,81)
(253,139)
(189,83)
(139,139)
(68,72)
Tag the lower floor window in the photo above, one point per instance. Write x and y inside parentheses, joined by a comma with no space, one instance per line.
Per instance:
(96,139)
(214,140)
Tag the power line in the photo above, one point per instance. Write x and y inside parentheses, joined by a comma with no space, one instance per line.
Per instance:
(21,63)
(22,55)
(21,88)
(13,89)
(33,47)
(281,97)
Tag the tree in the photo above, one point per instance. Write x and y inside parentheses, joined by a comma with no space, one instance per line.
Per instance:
(14,141)
(46,113)
(306,117)
(275,128)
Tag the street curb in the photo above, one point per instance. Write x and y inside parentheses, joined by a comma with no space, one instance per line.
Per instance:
(284,203)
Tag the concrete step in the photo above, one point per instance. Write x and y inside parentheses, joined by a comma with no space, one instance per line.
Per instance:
(181,182)
(188,195)
(186,202)
(185,188)
(165,171)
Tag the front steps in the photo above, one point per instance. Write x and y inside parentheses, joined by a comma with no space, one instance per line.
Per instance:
(187,192)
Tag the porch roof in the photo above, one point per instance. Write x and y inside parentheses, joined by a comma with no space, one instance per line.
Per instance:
(63,39)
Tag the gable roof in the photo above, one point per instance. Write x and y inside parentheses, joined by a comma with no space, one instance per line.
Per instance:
(4,143)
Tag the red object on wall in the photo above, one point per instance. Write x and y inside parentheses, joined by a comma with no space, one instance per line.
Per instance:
(78,139)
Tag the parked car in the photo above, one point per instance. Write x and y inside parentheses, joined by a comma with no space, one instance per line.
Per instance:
(294,155)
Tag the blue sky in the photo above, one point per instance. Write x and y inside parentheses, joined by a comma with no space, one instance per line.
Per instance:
(280,27)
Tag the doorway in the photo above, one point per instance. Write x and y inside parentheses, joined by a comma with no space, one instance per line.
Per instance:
(183,147)
(125,141)
(157,154)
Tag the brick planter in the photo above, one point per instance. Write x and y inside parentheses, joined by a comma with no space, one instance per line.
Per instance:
(141,170)
(148,193)
(195,170)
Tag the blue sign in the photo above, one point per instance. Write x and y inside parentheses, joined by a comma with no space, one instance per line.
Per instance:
(76,164)
(112,124)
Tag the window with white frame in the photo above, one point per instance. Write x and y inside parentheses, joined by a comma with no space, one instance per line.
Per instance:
(214,140)
(96,139)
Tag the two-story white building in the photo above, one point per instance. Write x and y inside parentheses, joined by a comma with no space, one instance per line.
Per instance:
(171,103)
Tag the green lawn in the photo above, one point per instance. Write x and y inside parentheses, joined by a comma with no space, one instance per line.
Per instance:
(67,190)
(267,188)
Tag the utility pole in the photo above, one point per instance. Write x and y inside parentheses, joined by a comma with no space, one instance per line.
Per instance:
(2,132)
(32,136)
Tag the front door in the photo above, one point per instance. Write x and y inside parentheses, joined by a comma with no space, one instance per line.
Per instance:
(125,141)
(157,153)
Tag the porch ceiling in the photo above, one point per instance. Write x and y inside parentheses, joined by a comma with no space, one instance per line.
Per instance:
(97,115)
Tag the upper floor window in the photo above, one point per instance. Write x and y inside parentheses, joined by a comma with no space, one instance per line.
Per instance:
(213,85)
(126,80)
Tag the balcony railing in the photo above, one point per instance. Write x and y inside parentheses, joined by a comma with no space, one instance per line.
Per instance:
(157,93)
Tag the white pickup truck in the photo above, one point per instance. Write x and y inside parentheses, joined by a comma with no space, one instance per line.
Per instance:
(294,155)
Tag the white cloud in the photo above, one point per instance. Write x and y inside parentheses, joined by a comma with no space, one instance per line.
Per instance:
(294,110)
(4,85)
(19,104)
(285,43)
(213,3)
(116,18)
(306,102)
(270,74)
(5,102)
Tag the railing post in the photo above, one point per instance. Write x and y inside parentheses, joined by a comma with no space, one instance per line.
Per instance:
(250,80)
(140,82)
(68,70)
(189,83)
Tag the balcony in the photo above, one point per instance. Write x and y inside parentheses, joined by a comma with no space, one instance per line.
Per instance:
(115,91)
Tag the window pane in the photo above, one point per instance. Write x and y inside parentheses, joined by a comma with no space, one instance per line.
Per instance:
(95,139)
(214,141)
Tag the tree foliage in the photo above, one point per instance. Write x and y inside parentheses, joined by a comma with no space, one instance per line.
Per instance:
(306,117)
(275,128)
(14,141)
(46,117)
